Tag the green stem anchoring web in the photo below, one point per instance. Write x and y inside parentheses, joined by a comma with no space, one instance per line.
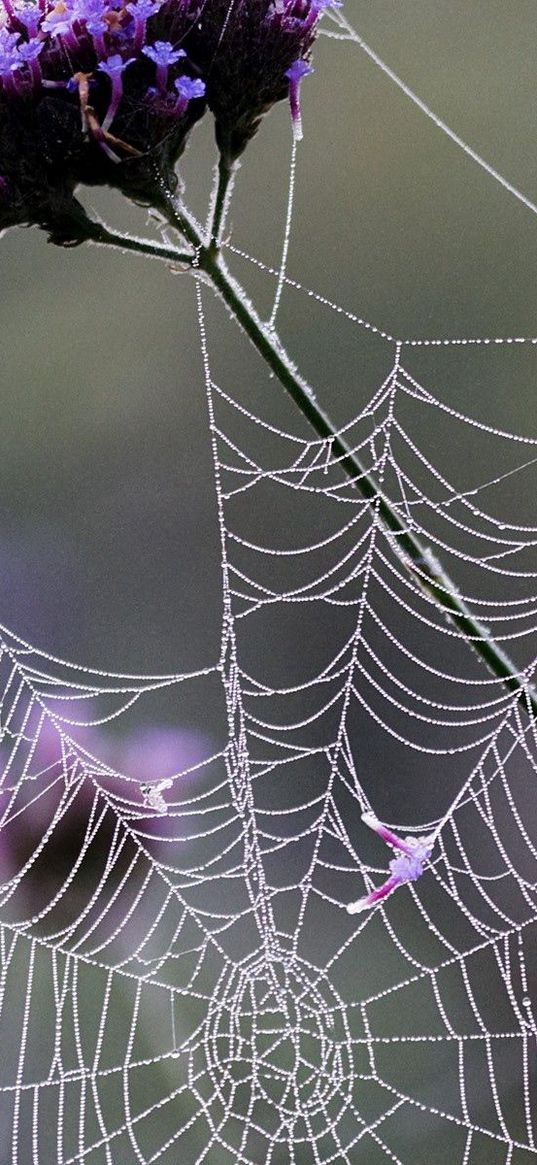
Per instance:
(206,257)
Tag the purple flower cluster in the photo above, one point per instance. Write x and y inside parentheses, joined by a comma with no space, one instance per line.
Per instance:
(106,92)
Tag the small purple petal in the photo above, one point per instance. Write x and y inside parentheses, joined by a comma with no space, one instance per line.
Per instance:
(162,52)
(114,65)
(8,48)
(59,21)
(295,73)
(375,896)
(30,50)
(97,24)
(298,70)
(406,868)
(29,16)
(143,9)
(187,89)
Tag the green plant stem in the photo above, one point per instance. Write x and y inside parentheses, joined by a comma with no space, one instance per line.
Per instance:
(225,177)
(417,559)
(101,235)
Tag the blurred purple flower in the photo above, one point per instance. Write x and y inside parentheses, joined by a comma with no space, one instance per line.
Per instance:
(57,802)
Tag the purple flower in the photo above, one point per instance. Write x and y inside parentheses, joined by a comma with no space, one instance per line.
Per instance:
(141,11)
(27,53)
(187,90)
(163,54)
(413,853)
(8,48)
(66,785)
(30,50)
(97,27)
(103,125)
(59,23)
(113,67)
(8,59)
(93,13)
(295,73)
(29,15)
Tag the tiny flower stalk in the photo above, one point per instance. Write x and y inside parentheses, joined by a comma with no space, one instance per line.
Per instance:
(28,54)
(97,26)
(298,70)
(141,11)
(223,190)
(412,855)
(114,67)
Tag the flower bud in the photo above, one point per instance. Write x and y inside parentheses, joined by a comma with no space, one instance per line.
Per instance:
(252,54)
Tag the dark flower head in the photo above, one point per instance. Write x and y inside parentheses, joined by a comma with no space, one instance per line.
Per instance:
(107,91)
(247,49)
(88,94)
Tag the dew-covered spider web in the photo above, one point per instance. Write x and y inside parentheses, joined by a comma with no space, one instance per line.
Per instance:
(188,985)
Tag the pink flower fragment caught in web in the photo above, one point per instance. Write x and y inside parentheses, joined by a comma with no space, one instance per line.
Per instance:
(413,853)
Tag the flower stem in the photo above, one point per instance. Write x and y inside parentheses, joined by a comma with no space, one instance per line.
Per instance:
(98,233)
(225,178)
(416,558)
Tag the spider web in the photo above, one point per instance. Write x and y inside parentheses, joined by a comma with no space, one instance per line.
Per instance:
(188,985)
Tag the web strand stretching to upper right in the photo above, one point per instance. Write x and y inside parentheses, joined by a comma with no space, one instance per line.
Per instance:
(188,985)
